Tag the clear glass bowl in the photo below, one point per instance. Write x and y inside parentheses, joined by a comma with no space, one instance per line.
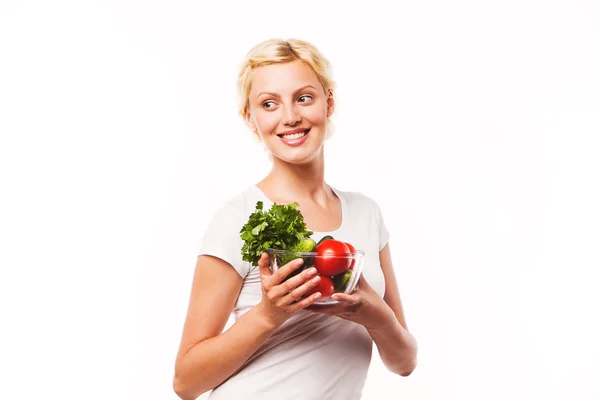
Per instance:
(344,282)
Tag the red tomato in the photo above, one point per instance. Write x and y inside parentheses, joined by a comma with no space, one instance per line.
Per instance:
(330,260)
(325,287)
(352,250)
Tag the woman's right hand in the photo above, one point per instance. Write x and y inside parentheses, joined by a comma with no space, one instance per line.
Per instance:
(279,298)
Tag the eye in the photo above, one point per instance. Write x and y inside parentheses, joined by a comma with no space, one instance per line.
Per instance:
(305,96)
(268,105)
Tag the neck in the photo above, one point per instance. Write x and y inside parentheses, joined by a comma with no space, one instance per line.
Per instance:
(298,182)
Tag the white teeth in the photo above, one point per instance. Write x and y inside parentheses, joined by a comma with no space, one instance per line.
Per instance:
(294,136)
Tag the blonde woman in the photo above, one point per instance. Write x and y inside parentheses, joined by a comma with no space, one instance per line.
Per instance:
(279,348)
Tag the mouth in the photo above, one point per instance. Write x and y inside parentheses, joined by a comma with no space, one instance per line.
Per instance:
(294,136)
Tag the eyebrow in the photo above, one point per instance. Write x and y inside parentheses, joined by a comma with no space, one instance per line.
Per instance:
(296,91)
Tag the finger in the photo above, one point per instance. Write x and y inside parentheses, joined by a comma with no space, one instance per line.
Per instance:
(294,282)
(284,271)
(305,283)
(263,264)
(361,281)
(265,271)
(345,298)
(363,285)
(302,304)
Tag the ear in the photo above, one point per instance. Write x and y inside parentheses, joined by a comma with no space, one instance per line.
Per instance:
(330,103)
(250,122)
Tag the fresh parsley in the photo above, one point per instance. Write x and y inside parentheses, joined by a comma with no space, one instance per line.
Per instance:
(282,228)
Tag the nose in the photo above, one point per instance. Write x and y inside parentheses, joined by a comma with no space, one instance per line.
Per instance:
(290,116)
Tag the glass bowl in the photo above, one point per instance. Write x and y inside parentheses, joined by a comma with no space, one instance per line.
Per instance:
(343,282)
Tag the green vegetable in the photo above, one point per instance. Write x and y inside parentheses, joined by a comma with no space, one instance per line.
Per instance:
(340,282)
(324,238)
(282,228)
(307,245)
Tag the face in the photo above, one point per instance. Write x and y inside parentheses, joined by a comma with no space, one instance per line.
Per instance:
(288,109)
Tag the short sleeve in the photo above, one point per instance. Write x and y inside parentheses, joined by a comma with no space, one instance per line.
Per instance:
(222,238)
(384,235)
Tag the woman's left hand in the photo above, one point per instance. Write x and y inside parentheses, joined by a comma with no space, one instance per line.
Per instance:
(364,306)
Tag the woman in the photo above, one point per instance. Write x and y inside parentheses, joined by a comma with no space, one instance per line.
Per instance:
(279,348)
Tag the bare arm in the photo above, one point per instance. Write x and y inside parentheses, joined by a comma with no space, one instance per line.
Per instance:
(396,345)
(382,317)
(207,357)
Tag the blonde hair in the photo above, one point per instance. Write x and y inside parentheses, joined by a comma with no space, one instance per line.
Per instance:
(279,51)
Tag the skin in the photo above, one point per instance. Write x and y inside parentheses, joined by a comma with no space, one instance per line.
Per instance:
(297,173)
(284,97)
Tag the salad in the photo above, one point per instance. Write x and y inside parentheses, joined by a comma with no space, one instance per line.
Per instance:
(282,227)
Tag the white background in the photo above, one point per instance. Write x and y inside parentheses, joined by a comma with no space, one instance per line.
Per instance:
(473,124)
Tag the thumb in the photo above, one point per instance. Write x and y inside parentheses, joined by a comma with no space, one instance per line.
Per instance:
(263,264)
(362,282)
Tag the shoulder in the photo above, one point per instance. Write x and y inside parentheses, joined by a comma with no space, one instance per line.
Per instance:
(243,201)
(236,208)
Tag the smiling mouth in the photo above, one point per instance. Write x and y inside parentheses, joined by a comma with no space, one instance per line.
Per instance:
(294,136)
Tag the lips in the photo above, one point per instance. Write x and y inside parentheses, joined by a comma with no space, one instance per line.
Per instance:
(293,132)
(295,139)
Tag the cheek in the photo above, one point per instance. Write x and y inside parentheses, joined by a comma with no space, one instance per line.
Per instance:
(267,122)
(316,115)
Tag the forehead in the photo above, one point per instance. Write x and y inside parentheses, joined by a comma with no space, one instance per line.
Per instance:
(283,78)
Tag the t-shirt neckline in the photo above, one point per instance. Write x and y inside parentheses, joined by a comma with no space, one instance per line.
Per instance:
(319,233)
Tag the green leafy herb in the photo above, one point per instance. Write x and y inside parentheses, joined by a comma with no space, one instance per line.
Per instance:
(282,228)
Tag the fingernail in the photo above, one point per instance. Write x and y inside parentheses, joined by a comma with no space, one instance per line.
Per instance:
(316,279)
(312,271)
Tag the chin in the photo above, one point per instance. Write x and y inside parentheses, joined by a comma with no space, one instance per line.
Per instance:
(305,156)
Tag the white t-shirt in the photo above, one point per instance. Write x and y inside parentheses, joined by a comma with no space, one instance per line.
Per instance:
(311,356)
